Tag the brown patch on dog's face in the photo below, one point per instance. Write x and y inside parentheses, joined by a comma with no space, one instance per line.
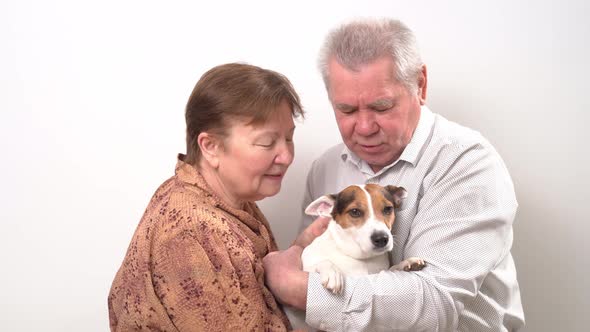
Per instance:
(383,203)
(351,207)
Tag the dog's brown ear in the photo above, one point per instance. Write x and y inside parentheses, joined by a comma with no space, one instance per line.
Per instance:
(322,206)
(397,194)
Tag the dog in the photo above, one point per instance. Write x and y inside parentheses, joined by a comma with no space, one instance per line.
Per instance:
(357,240)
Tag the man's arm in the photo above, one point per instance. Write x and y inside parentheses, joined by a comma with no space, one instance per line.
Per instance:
(463,229)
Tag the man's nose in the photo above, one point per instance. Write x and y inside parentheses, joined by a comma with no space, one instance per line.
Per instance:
(365,123)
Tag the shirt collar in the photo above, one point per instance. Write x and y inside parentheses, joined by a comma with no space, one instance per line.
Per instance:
(189,174)
(421,134)
(411,151)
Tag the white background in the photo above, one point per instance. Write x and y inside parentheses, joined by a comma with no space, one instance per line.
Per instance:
(92,96)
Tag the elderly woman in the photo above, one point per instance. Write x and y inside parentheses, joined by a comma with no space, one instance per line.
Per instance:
(195,260)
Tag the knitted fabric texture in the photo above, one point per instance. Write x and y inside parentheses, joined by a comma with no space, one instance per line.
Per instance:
(195,264)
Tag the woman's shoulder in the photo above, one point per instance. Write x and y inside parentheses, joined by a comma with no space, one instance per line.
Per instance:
(192,205)
(184,210)
(176,207)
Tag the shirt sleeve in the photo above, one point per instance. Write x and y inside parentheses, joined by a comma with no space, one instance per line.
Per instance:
(306,220)
(462,228)
(200,286)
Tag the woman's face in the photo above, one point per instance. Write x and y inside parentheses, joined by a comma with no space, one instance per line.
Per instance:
(254,159)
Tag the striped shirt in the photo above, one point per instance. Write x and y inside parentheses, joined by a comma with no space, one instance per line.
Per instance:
(458,217)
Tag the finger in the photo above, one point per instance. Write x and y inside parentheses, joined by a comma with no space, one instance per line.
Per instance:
(320,225)
(271,254)
(315,229)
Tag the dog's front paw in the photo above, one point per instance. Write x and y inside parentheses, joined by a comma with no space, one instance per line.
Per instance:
(410,264)
(332,278)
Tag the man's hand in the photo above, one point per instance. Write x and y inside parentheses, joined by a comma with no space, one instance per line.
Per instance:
(284,277)
(312,231)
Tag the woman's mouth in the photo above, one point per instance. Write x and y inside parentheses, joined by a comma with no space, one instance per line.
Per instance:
(276,176)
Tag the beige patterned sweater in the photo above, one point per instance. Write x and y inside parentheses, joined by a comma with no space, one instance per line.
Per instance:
(195,264)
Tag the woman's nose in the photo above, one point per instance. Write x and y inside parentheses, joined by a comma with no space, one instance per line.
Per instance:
(285,154)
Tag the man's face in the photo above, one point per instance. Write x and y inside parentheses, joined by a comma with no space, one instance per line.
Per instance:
(376,114)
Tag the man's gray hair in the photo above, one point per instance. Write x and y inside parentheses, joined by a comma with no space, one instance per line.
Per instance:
(361,42)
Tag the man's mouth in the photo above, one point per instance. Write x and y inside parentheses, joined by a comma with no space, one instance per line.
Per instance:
(370,147)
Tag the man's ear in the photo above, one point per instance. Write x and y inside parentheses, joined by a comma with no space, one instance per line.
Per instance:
(210,146)
(422,85)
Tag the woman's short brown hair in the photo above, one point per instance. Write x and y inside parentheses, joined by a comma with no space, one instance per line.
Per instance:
(234,91)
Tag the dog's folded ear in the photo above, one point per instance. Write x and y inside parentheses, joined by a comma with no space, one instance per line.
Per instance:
(322,206)
(398,194)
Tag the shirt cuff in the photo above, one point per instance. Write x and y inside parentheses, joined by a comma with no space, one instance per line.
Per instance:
(324,309)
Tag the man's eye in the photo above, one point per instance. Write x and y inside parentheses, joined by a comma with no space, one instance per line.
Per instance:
(355,213)
(345,109)
(387,210)
(265,144)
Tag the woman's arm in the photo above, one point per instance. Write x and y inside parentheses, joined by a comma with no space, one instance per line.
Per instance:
(203,288)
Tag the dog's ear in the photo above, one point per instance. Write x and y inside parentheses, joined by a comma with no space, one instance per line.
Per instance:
(322,206)
(397,193)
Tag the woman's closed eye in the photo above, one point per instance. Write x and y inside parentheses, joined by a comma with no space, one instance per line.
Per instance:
(266,144)
(269,143)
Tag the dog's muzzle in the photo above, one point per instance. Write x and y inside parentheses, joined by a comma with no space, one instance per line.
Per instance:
(379,239)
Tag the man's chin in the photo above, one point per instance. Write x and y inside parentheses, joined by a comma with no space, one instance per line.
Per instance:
(374,163)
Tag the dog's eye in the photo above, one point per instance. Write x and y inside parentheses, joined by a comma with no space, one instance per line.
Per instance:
(387,210)
(355,213)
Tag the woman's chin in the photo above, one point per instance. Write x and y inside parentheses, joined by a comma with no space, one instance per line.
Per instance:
(268,191)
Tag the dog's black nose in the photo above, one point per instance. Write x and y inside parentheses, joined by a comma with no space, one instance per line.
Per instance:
(379,239)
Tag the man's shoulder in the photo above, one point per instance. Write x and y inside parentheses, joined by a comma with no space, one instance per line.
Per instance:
(460,147)
(450,134)
(326,169)
(329,159)
(333,153)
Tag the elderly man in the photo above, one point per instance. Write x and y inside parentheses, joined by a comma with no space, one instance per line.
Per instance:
(459,210)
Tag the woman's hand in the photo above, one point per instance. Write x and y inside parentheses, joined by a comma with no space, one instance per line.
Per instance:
(312,231)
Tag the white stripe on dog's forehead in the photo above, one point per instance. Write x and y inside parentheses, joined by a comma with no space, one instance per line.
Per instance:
(379,200)
(369,203)
(370,198)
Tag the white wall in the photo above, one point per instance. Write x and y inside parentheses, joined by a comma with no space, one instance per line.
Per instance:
(91,118)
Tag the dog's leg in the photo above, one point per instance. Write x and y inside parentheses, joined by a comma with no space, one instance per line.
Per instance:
(410,264)
(331,276)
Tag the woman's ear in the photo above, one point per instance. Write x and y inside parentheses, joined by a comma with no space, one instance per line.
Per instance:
(210,146)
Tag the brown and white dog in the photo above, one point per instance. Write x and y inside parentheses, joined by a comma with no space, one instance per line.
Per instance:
(358,238)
